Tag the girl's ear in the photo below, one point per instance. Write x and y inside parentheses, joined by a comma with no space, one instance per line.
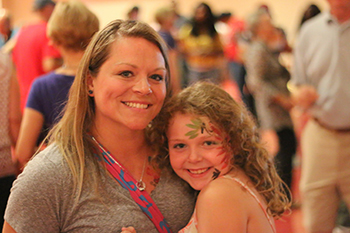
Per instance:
(90,85)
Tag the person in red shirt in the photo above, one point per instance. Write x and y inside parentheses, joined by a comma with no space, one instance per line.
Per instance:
(32,54)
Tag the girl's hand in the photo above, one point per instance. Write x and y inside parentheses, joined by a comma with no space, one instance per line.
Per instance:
(128,230)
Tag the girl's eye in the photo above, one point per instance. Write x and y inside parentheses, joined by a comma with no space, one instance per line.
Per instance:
(210,143)
(179,146)
(126,74)
(157,77)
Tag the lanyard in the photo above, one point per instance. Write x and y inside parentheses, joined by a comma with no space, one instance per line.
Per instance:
(142,198)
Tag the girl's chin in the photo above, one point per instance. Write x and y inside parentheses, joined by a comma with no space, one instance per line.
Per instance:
(198,186)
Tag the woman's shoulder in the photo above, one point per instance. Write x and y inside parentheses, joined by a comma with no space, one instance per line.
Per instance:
(46,164)
(51,154)
(40,191)
(47,169)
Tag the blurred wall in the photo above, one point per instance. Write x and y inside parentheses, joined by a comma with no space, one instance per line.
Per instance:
(286,13)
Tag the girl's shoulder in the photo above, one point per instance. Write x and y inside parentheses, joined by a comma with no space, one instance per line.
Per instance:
(228,188)
(223,203)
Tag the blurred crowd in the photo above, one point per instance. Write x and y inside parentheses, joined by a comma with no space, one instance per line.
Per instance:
(247,57)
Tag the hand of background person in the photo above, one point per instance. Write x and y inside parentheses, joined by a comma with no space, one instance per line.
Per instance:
(304,96)
(284,101)
(128,230)
(270,139)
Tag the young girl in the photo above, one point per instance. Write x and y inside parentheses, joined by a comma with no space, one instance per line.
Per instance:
(213,144)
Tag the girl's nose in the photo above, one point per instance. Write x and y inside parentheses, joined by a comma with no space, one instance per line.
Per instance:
(194,156)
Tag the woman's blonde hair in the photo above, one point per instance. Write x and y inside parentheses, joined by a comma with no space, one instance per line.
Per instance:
(241,133)
(71,134)
(72,25)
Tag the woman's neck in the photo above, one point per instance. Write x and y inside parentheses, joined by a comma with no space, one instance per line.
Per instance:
(123,144)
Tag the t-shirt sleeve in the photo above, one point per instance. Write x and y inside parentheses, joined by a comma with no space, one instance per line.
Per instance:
(33,205)
(36,96)
(299,75)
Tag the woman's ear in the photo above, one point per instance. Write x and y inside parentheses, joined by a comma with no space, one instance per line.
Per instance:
(90,85)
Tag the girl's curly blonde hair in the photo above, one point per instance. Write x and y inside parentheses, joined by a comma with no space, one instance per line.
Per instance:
(242,141)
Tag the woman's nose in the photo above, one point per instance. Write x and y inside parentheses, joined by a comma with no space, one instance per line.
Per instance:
(142,86)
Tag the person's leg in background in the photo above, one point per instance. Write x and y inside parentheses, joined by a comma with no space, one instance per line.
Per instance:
(343,219)
(318,185)
(285,155)
(5,187)
(237,74)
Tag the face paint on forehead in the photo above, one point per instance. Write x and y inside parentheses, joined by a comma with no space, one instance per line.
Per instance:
(200,125)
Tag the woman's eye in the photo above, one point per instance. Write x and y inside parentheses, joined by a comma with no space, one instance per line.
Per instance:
(179,146)
(126,74)
(157,77)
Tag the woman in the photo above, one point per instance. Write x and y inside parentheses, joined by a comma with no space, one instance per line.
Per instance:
(120,87)
(49,92)
(201,46)
(267,79)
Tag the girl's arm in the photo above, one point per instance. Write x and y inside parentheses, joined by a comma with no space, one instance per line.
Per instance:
(222,208)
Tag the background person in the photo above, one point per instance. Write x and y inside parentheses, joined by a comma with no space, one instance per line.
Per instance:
(49,92)
(10,120)
(165,17)
(321,79)
(32,53)
(267,80)
(7,32)
(201,47)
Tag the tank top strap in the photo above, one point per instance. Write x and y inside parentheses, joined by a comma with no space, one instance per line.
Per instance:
(255,197)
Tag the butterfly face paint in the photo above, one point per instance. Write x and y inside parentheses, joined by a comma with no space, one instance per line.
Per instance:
(195,149)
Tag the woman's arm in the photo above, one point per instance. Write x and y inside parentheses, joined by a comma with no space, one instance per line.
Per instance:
(7,228)
(31,126)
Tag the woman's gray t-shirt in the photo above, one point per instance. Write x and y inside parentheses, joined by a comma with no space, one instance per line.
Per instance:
(41,201)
